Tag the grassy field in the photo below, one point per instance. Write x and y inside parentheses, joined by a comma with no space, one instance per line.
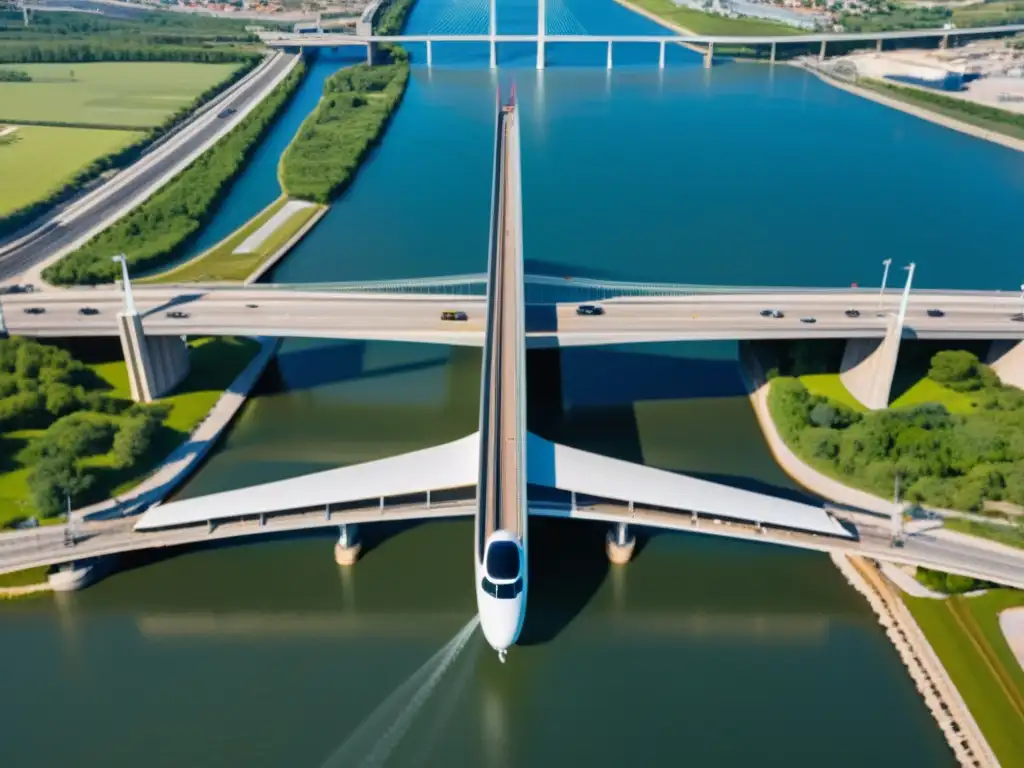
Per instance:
(1013,537)
(831,386)
(702,23)
(966,636)
(215,362)
(222,263)
(43,159)
(924,391)
(25,578)
(128,94)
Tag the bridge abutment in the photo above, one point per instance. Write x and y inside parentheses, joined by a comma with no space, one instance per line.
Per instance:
(620,543)
(1007,359)
(868,366)
(155,366)
(347,550)
(709,56)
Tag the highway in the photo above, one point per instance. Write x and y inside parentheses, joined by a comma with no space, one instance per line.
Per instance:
(417,317)
(100,208)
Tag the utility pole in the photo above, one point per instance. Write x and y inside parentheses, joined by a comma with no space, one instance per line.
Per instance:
(897,514)
(69,534)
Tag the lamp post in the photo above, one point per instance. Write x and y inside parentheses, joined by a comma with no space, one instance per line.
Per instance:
(1021,307)
(905,299)
(129,302)
(886,263)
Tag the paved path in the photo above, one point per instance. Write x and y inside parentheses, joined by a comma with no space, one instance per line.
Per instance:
(285,212)
(1011,621)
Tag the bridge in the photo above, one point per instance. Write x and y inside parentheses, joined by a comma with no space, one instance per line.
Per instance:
(706,42)
(503,474)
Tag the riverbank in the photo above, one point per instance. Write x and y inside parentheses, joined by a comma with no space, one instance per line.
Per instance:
(251,250)
(933,682)
(27,583)
(945,120)
(667,14)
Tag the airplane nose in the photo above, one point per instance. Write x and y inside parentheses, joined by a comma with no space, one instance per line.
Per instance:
(500,628)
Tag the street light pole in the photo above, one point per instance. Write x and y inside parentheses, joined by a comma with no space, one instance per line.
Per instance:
(886,263)
(905,299)
(129,301)
(1021,307)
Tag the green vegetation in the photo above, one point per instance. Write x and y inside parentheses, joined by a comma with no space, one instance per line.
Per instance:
(830,386)
(155,231)
(26,578)
(949,583)
(948,460)
(123,95)
(701,23)
(321,161)
(14,76)
(70,427)
(392,19)
(888,16)
(965,634)
(989,14)
(46,160)
(222,263)
(984,117)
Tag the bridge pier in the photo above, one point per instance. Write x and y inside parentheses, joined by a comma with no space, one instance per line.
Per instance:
(1007,359)
(619,544)
(542,30)
(609,63)
(369,54)
(709,56)
(430,55)
(661,55)
(156,365)
(494,54)
(821,53)
(347,550)
(878,45)
(868,367)
(773,53)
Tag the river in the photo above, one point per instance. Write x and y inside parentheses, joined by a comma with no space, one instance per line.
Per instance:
(700,651)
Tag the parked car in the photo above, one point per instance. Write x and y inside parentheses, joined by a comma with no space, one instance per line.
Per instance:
(936,313)
(589,309)
(452,315)
(853,313)
(88,311)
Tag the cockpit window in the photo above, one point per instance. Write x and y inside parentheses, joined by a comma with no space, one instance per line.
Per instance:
(502,591)
(503,560)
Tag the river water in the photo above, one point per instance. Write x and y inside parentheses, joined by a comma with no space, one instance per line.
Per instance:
(700,651)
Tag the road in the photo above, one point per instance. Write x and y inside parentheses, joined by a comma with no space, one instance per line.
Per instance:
(417,317)
(104,206)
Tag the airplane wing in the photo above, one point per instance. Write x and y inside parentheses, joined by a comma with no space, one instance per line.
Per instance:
(569,469)
(451,465)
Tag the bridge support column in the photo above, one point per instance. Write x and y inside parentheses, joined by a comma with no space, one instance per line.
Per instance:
(944,42)
(609,63)
(773,53)
(369,54)
(346,551)
(1007,360)
(661,55)
(868,367)
(430,55)
(821,52)
(619,544)
(878,45)
(542,30)
(156,365)
(494,54)
(709,56)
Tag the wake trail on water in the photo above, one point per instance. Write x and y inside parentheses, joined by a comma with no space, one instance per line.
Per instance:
(373,741)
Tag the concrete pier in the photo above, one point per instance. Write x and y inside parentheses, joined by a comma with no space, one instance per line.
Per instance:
(868,367)
(619,544)
(821,52)
(773,53)
(709,56)
(347,550)
(155,365)
(878,45)
(661,55)
(609,63)
(430,55)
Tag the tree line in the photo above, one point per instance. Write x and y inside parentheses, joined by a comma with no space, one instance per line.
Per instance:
(157,230)
(119,159)
(14,76)
(46,52)
(43,387)
(145,25)
(323,158)
(953,461)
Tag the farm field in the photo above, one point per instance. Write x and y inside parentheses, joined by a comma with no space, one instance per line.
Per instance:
(120,94)
(41,159)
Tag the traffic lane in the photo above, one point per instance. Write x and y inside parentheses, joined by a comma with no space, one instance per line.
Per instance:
(63,233)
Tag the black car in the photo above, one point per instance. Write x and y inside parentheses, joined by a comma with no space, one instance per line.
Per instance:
(227,112)
(252,306)
(776,313)
(1018,318)
(853,313)
(589,309)
(936,313)
(808,319)
(34,310)
(177,315)
(88,311)
(451,315)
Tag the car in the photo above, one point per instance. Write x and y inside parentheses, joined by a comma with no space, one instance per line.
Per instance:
(252,306)
(853,313)
(776,313)
(589,309)
(453,315)
(34,310)
(808,319)
(1018,318)
(177,315)
(226,112)
(936,313)
(88,311)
